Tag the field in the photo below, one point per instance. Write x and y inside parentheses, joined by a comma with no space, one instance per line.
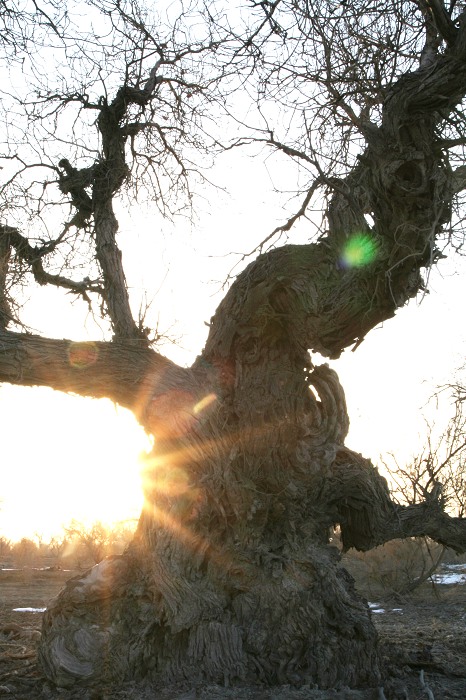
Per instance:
(423,642)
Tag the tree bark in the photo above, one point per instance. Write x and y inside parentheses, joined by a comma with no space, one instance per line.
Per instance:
(110,260)
(5,311)
(125,371)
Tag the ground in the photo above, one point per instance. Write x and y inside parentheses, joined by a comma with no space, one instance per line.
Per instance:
(423,640)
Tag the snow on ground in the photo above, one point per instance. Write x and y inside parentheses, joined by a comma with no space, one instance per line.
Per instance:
(450,574)
(376,608)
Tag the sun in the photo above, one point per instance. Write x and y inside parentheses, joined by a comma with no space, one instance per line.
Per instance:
(77,459)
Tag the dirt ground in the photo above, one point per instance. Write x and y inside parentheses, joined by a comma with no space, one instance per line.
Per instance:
(422,640)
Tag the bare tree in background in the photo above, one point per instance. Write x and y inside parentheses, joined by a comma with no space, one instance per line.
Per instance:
(57,548)
(229,577)
(5,546)
(94,538)
(440,467)
(438,472)
(92,542)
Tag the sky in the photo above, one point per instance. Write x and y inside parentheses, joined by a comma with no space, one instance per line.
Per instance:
(66,457)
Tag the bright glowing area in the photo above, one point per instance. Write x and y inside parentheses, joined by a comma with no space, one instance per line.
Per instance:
(360,250)
(167,480)
(82,355)
(204,403)
(78,459)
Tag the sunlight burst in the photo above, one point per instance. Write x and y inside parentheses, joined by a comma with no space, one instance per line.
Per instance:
(80,462)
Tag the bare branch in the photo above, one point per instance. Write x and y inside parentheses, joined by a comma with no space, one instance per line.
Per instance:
(5,311)
(10,236)
(368,517)
(442,20)
(459,179)
(127,372)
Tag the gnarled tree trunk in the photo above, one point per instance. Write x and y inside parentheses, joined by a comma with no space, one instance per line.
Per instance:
(230,577)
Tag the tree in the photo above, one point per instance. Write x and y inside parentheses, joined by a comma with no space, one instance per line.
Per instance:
(440,464)
(57,548)
(229,577)
(93,542)
(25,552)
(5,547)
(94,538)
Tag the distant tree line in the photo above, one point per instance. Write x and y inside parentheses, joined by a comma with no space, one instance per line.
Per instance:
(78,546)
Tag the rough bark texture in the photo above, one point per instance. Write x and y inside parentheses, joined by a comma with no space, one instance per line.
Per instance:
(125,371)
(229,578)
(368,517)
(5,312)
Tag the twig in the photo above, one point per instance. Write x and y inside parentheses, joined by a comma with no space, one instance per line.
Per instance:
(425,687)
(15,671)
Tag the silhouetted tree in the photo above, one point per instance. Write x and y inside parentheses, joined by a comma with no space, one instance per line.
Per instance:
(94,538)
(440,464)
(229,577)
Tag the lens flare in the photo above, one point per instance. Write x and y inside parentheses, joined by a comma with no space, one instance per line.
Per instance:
(82,355)
(360,250)
(168,489)
(204,403)
(169,481)
(171,414)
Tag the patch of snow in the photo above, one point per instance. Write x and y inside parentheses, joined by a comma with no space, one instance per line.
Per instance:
(375,607)
(33,568)
(32,610)
(447,578)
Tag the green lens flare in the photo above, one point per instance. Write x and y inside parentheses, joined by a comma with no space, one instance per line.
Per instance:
(360,250)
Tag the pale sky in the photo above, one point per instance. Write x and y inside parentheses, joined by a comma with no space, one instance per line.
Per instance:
(64,457)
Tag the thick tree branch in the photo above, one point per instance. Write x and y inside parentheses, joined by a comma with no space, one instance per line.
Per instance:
(309,296)
(110,260)
(315,296)
(125,371)
(5,312)
(107,178)
(459,179)
(360,500)
(431,88)
(433,38)
(104,179)
(442,20)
